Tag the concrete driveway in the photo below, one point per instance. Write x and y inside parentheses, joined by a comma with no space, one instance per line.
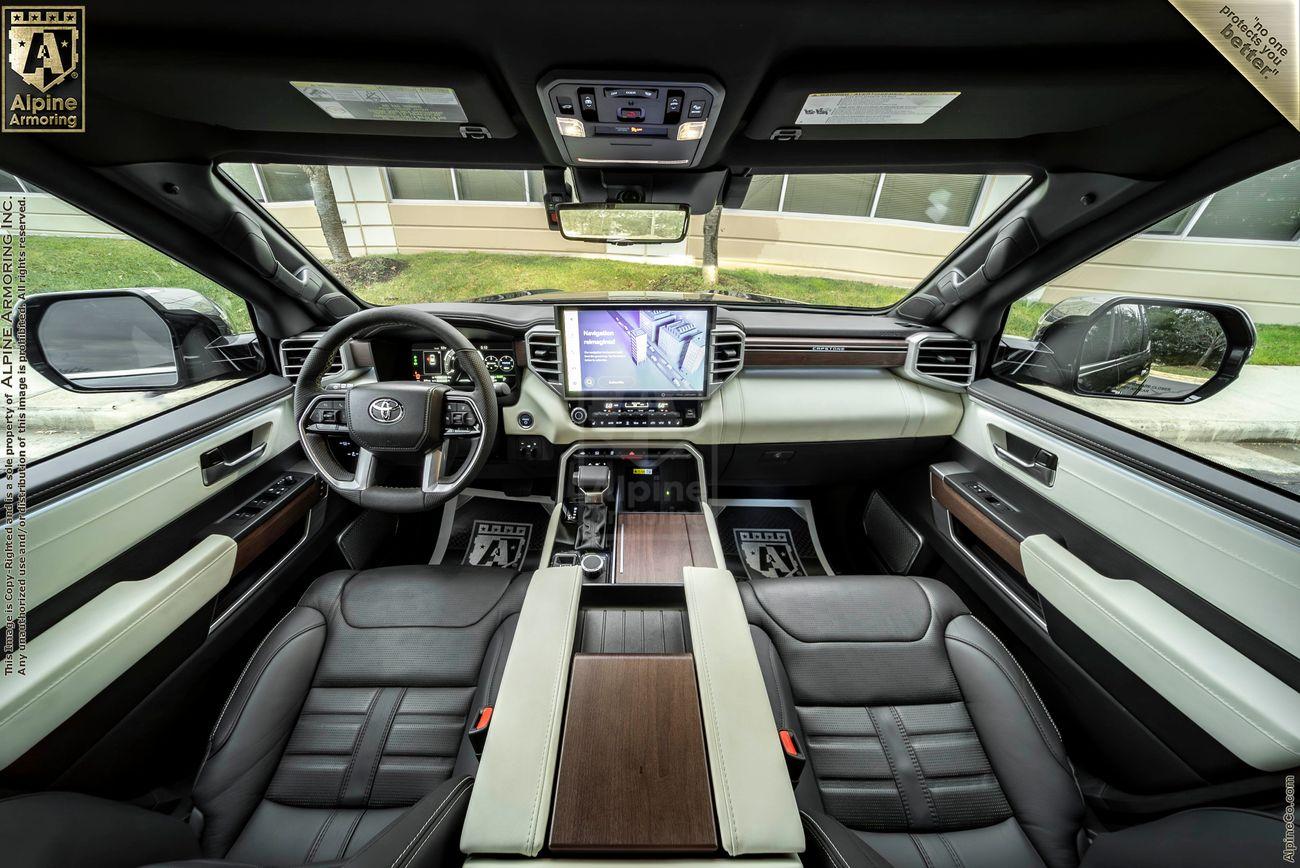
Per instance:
(1252,426)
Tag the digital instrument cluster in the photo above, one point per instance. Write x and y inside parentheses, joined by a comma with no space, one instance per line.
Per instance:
(436,363)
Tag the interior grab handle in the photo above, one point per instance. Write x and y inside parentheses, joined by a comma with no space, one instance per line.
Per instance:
(216,466)
(1042,466)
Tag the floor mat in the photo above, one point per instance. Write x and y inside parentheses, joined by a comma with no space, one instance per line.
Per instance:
(485,528)
(770,538)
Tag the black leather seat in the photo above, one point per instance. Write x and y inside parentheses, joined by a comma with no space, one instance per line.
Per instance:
(344,740)
(928,746)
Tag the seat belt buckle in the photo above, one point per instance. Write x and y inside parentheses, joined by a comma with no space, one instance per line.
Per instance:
(794,757)
(478,732)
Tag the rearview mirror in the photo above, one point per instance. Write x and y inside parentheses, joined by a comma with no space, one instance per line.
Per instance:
(123,340)
(618,223)
(1142,349)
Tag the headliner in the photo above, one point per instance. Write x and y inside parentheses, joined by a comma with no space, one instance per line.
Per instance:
(1119,86)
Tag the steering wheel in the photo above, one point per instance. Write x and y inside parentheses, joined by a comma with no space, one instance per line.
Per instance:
(395,419)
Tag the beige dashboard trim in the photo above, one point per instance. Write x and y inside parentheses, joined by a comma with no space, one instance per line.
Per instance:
(1242,706)
(73,661)
(782,405)
(757,814)
(510,805)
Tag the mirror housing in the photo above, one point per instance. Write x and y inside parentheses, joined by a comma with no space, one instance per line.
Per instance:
(1135,348)
(624,223)
(130,340)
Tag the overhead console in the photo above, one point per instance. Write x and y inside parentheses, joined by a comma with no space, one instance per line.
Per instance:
(646,121)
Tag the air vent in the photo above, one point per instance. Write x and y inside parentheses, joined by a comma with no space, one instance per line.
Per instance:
(941,360)
(543,345)
(294,352)
(728,355)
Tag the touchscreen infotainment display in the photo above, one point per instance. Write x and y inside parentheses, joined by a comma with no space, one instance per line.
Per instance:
(635,351)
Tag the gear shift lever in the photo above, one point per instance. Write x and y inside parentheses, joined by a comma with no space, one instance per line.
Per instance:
(593,481)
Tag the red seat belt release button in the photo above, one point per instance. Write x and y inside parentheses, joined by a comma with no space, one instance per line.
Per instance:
(794,758)
(478,732)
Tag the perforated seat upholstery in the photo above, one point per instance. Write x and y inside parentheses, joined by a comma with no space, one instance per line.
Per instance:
(343,742)
(925,740)
(929,748)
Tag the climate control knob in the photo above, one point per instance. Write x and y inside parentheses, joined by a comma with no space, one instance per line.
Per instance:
(578,415)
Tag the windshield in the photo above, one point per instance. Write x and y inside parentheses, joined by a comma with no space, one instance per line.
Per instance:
(404,235)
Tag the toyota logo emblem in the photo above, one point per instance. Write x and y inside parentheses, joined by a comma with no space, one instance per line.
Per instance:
(385,410)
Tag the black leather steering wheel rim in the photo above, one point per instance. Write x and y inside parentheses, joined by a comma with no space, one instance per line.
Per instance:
(309,387)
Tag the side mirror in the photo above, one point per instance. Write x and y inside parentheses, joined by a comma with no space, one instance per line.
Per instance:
(126,340)
(1142,349)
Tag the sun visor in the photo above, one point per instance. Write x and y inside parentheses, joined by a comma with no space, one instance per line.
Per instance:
(307,95)
(960,104)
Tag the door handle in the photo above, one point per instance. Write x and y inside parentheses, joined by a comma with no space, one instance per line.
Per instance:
(216,466)
(1042,466)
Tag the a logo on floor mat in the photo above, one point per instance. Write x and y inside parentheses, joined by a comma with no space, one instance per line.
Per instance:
(498,544)
(768,554)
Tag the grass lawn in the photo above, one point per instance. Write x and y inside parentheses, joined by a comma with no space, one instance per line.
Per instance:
(447,276)
(59,263)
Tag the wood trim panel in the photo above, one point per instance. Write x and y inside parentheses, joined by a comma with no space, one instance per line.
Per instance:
(653,547)
(697,534)
(1003,544)
(261,537)
(632,774)
(825,352)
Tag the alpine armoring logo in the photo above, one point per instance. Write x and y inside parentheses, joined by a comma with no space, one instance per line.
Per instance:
(44,78)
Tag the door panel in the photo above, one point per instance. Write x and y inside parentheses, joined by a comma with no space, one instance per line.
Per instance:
(1245,708)
(69,664)
(1138,581)
(184,535)
(81,531)
(1247,571)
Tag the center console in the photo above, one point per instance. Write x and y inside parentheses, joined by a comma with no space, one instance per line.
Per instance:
(632,513)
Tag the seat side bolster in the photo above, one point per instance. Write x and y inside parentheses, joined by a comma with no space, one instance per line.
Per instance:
(832,845)
(255,725)
(1020,740)
(425,836)
(75,829)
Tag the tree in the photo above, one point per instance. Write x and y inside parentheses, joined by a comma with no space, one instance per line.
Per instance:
(711,223)
(327,208)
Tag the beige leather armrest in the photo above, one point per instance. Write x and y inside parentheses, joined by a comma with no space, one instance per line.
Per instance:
(756,809)
(70,663)
(511,802)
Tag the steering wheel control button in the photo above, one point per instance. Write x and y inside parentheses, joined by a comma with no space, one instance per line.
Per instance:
(525,420)
(386,411)
(327,417)
(459,419)
(578,415)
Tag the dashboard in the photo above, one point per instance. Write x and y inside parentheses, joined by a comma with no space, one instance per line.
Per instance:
(675,370)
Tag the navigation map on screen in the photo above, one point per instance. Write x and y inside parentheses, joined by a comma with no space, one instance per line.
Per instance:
(635,350)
